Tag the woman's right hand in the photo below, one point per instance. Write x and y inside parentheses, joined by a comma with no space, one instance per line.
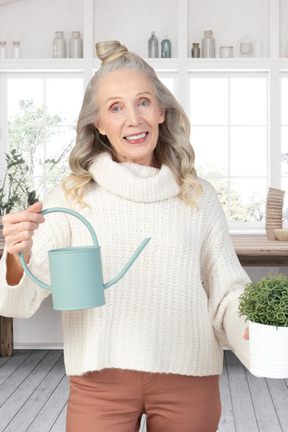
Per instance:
(18,229)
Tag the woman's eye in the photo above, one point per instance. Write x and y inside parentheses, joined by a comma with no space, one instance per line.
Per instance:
(115,108)
(144,103)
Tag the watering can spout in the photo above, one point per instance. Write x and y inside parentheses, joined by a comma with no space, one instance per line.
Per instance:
(128,265)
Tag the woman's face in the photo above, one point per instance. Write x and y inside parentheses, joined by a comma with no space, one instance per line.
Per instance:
(129,115)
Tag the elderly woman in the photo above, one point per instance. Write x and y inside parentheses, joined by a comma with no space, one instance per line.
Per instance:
(156,346)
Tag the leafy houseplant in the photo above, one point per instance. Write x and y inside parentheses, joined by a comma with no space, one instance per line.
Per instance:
(266,301)
(265,305)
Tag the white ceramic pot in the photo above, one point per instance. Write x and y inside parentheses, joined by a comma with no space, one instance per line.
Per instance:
(268,350)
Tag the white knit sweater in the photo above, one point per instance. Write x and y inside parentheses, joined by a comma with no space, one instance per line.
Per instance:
(178,302)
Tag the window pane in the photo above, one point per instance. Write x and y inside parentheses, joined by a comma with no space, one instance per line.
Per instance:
(284,187)
(208,101)
(248,199)
(211,150)
(42,119)
(284,138)
(168,81)
(25,101)
(59,144)
(248,101)
(63,100)
(29,141)
(248,151)
(284,101)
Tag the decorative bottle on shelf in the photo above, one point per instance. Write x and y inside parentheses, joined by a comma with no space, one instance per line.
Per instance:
(195,51)
(3,49)
(153,46)
(208,45)
(75,45)
(59,45)
(166,47)
(16,49)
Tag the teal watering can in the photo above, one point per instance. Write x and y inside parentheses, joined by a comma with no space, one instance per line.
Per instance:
(76,272)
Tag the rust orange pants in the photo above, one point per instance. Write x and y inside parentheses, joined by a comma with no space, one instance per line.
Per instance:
(114,400)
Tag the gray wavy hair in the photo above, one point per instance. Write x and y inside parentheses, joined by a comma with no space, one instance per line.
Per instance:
(173,148)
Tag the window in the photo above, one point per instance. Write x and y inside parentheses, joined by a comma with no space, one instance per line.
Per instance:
(229,133)
(42,111)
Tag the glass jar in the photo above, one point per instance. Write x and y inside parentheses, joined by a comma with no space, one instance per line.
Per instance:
(3,49)
(226,51)
(75,45)
(208,45)
(246,47)
(59,45)
(195,51)
(16,49)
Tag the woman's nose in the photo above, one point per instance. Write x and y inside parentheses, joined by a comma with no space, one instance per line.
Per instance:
(133,117)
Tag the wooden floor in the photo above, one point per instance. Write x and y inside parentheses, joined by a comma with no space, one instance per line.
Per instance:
(34,392)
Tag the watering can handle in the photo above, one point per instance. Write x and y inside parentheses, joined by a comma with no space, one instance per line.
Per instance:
(57,210)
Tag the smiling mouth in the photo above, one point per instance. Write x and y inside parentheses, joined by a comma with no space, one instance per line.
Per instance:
(136,137)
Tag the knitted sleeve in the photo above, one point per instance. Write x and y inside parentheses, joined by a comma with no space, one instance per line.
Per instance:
(223,278)
(22,300)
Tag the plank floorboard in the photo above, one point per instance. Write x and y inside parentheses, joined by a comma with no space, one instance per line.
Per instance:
(34,392)
(19,375)
(243,410)
(47,417)
(30,409)
(227,423)
(264,408)
(12,363)
(60,423)
(279,394)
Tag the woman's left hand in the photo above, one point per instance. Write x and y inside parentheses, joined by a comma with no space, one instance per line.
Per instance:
(246,334)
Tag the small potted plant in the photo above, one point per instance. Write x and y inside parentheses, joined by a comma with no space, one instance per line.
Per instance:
(265,305)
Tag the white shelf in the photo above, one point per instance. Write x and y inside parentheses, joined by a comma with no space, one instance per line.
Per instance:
(49,64)
(185,20)
(223,64)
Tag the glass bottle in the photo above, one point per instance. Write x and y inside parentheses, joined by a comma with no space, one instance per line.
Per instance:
(166,47)
(75,45)
(153,46)
(16,49)
(208,45)
(3,49)
(59,45)
(195,51)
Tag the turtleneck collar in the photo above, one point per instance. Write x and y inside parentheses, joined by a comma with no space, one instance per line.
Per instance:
(132,181)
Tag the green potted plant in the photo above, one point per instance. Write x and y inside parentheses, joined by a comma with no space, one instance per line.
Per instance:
(265,305)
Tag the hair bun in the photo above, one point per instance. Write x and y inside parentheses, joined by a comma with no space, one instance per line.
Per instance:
(109,50)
